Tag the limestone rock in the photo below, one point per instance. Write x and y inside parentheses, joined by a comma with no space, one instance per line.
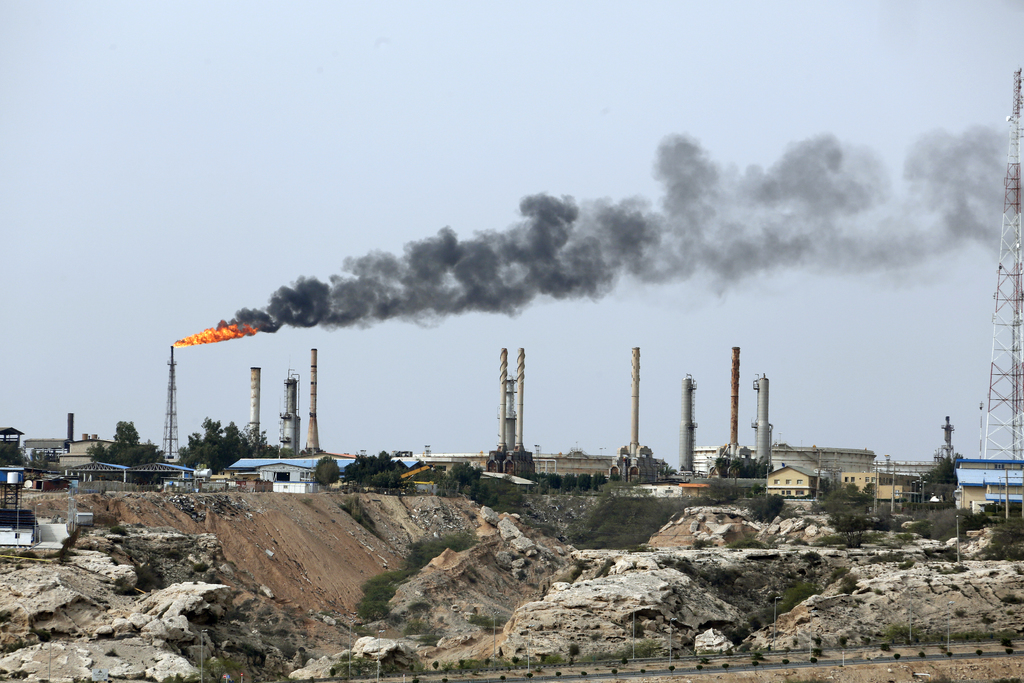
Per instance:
(711,641)
(596,612)
(508,529)
(191,599)
(522,543)
(385,650)
(490,516)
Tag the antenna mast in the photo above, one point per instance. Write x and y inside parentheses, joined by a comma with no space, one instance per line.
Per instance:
(1006,389)
(171,419)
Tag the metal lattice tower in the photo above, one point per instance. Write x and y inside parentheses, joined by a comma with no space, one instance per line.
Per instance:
(1005,430)
(171,419)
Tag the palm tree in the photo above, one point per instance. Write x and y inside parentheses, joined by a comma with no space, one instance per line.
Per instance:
(734,469)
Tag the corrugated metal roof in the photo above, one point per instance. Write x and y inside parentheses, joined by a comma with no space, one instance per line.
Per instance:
(253,463)
(969,477)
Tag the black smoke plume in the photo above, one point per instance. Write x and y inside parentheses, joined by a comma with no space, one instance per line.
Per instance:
(823,206)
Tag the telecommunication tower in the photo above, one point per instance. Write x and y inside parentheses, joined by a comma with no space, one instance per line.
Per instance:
(171,419)
(1005,430)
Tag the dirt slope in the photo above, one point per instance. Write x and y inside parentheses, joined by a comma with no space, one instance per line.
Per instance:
(305,549)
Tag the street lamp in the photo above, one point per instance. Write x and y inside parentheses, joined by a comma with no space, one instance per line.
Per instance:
(494,639)
(380,632)
(201,637)
(947,624)
(671,623)
(529,644)
(775,617)
(634,634)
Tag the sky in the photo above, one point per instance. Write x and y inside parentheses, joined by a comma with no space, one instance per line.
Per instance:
(819,184)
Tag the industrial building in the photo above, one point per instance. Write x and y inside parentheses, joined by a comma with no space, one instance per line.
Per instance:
(982,482)
(793,481)
(508,458)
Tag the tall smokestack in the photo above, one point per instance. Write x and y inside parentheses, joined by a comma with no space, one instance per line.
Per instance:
(687,427)
(290,418)
(634,413)
(312,433)
(502,377)
(734,422)
(254,401)
(519,412)
(71,427)
(764,433)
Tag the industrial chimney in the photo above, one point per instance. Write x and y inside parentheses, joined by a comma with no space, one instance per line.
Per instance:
(254,402)
(313,434)
(634,413)
(502,377)
(764,429)
(519,412)
(734,422)
(687,427)
(71,427)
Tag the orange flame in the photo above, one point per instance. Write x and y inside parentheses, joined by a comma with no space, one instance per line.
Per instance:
(222,332)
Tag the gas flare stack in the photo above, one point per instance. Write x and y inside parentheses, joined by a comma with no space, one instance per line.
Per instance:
(635,463)
(516,461)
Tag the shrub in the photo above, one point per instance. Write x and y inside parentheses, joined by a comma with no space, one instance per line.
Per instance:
(785,661)
(884,647)
(766,508)
(200,567)
(796,594)
(895,655)
(979,652)
(119,530)
(725,665)
(814,660)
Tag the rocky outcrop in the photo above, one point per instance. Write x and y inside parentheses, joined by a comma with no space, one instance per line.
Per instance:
(985,596)
(63,662)
(711,641)
(388,652)
(511,562)
(198,601)
(721,525)
(598,613)
(716,526)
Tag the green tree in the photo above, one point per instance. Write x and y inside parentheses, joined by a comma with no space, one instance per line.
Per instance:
(11,455)
(217,447)
(944,471)
(126,448)
(327,471)
(735,468)
(852,526)
(766,508)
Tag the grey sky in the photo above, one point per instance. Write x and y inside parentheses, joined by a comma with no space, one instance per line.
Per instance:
(165,165)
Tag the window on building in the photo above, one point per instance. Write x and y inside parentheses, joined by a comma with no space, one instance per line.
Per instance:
(788,482)
(799,482)
(776,481)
